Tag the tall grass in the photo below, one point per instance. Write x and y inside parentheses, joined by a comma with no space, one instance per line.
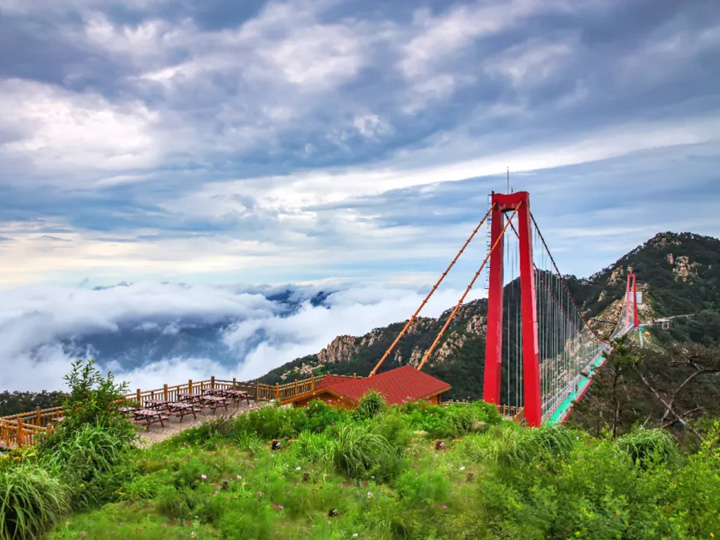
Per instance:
(525,446)
(32,499)
(93,462)
(360,453)
(646,446)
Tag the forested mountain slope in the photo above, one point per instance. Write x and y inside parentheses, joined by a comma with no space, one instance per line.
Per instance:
(678,274)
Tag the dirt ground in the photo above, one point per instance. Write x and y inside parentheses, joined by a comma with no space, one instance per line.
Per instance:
(158,433)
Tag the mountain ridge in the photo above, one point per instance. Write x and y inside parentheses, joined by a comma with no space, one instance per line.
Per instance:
(674,272)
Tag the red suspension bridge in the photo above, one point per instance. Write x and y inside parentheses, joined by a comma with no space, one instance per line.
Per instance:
(541,353)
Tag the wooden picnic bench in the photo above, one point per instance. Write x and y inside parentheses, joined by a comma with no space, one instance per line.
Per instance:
(181,409)
(238,395)
(214,403)
(145,417)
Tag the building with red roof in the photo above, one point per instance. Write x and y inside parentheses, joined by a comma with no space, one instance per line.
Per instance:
(398,385)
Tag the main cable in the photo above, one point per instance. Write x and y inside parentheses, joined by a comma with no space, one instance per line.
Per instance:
(422,305)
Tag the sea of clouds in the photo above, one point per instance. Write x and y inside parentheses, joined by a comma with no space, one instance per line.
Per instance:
(154,333)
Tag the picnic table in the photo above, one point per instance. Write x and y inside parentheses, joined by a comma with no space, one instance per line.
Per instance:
(145,417)
(128,410)
(185,395)
(156,403)
(214,402)
(181,409)
(238,395)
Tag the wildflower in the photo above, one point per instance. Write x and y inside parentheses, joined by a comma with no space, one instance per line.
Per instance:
(259,493)
(462,468)
(355,534)
(203,477)
(67,523)
(83,533)
(364,483)
(238,477)
(370,495)
(297,468)
(193,534)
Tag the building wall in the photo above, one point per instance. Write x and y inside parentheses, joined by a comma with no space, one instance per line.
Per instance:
(326,397)
(336,402)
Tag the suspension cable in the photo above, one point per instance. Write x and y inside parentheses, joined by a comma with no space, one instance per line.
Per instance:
(562,279)
(462,298)
(552,295)
(439,281)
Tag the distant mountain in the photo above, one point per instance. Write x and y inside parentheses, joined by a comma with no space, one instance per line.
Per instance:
(678,274)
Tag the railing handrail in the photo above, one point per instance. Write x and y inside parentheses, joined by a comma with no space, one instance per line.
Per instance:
(21,428)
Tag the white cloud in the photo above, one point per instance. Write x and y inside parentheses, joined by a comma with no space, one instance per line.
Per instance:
(34,321)
(61,130)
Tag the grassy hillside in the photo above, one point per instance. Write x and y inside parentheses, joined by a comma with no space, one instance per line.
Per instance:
(376,474)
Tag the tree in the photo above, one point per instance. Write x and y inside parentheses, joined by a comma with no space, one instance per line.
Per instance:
(610,398)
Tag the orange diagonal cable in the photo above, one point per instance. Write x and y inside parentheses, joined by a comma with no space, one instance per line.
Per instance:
(462,298)
(412,319)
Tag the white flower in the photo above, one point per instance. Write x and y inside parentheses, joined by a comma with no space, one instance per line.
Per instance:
(238,477)
(354,535)
(297,468)
(462,468)
(370,495)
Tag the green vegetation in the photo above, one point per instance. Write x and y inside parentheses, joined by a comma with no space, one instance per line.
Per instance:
(80,465)
(21,402)
(673,388)
(375,472)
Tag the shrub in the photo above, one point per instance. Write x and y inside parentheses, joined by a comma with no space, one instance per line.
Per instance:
(93,399)
(31,499)
(646,446)
(321,416)
(176,503)
(394,428)
(431,486)
(370,405)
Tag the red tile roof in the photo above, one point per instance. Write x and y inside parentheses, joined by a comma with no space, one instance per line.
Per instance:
(397,385)
(332,380)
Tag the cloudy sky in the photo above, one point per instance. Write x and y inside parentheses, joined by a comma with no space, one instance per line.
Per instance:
(223,142)
(343,142)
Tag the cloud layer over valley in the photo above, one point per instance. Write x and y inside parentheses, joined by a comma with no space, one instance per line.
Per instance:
(151,333)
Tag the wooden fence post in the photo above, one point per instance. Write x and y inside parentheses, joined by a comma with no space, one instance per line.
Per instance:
(277,392)
(234,383)
(257,391)
(354,375)
(190,387)
(38,417)
(312,382)
(165,391)
(138,398)
(19,434)
(296,388)
(212,382)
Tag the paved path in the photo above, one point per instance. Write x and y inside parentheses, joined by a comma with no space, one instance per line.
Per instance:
(157,433)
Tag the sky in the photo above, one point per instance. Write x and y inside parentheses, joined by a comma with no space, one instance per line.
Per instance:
(346,144)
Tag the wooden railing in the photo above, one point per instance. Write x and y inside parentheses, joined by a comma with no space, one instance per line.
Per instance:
(24,429)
